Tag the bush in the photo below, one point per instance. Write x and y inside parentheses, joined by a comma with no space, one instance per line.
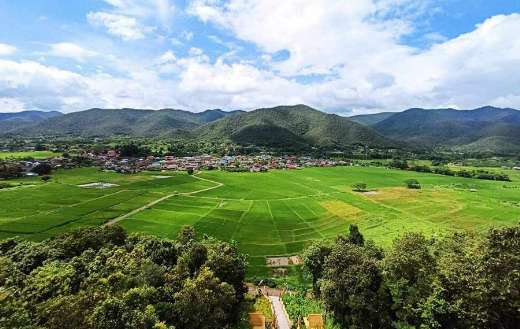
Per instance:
(359,187)
(5,185)
(413,184)
(42,169)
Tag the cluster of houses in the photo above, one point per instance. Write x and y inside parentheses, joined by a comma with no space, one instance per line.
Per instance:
(243,163)
(27,166)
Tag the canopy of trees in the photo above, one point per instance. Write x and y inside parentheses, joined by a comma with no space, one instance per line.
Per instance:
(460,281)
(103,278)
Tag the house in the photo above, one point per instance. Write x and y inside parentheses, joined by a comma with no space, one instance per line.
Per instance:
(314,321)
(257,320)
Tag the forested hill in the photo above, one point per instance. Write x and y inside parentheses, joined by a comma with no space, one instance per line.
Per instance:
(122,122)
(9,121)
(285,126)
(486,129)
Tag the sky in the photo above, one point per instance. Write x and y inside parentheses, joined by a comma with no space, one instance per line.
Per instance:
(340,56)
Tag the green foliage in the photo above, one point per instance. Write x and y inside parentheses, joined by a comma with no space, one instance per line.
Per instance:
(314,259)
(299,305)
(101,278)
(133,150)
(10,170)
(263,305)
(42,169)
(460,281)
(409,270)
(360,187)
(413,184)
(354,236)
(353,289)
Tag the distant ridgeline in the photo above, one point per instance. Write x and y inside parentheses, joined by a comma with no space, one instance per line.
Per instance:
(486,130)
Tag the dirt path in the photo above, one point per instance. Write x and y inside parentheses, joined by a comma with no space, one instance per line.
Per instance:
(153,203)
(281,318)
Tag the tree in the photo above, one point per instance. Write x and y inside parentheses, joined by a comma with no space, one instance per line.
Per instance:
(10,170)
(102,278)
(457,299)
(501,267)
(359,187)
(204,302)
(353,290)
(186,235)
(133,150)
(410,269)
(313,261)
(354,236)
(42,169)
(413,184)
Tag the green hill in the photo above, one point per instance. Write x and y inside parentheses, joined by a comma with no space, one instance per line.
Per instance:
(297,125)
(12,121)
(371,119)
(484,129)
(124,122)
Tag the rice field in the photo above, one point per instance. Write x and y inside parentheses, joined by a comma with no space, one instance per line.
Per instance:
(28,154)
(267,214)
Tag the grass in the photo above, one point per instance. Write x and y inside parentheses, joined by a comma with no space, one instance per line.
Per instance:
(268,214)
(28,154)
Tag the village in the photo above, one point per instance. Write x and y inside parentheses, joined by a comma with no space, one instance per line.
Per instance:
(112,161)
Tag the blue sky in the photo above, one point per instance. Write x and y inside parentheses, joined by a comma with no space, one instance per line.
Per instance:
(343,56)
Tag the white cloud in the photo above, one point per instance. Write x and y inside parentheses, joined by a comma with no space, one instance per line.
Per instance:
(122,26)
(6,49)
(350,53)
(71,50)
(10,105)
(356,46)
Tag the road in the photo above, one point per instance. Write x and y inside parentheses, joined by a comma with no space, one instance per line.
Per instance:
(153,203)
(281,319)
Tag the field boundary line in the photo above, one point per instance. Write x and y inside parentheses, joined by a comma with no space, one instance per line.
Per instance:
(75,219)
(241,219)
(275,226)
(153,203)
(48,212)
(138,210)
(303,220)
(201,217)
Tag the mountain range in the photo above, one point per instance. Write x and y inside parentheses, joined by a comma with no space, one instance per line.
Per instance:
(488,129)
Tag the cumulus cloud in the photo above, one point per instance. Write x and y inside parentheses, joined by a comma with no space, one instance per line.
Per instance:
(122,26)
(342,56)
(356,47)
(70,50)
(6,49)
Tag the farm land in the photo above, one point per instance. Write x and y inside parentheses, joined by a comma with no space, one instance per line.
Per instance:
(267,214)
(28,154)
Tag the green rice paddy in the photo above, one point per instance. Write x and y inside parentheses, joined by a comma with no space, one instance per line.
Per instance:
(28,154)
(274,213)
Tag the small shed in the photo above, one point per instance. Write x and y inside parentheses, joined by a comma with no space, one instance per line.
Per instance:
(314,321)
(257,320)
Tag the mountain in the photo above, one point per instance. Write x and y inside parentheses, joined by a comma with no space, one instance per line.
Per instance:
(294,126)
(123,122)
(371,119)
(490,129)
(10,121)
(29,116)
